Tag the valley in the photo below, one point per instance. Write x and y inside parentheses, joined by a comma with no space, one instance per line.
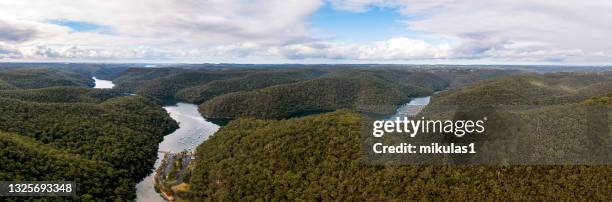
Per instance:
(290,133)
(305,100)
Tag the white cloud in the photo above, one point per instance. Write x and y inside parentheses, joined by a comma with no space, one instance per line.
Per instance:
(44,52)
(167,28)
(14,33)
(568,30)
(17,31)
(9,51)
(192,30)
(400,48)
(171,22)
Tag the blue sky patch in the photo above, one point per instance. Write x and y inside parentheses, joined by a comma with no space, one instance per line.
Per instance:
(374,24)
(79,26)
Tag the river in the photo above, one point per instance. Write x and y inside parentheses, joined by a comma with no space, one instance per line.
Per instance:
(103,84)
(193,130)
(412,108)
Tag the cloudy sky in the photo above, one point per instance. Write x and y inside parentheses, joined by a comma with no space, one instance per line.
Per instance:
(308,31)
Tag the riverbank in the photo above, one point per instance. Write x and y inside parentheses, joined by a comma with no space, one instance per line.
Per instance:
(193,130)
(176,147)
(173,174)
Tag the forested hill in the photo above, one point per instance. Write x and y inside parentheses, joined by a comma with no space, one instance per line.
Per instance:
(538,113)
(61,94)
(102,140)
(26,159)
(529,89)
(199,85)
(102,71)
(221,85)
(131,79)
(6,85)
(368,91)
(252,81)
(319,158)
(42,77)
(287,92)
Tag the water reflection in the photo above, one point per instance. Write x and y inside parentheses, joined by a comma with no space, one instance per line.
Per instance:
(412,108)
(102,84)
(194,129)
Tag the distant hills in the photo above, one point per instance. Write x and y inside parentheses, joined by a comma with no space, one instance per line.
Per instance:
(529,89)
(362,90)
(287,92)
(251,81)
(40,78)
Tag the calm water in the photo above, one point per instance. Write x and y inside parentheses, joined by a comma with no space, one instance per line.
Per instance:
(411,108)
(103,83)
(194,129)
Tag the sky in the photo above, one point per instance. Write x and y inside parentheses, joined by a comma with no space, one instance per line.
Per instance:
(572,32)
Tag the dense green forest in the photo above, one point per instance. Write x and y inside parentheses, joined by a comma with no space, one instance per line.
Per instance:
(554,110)
(104,141)
(529,89)
(256,80)
(43,77)
(53,126)
(319,158)
(123,131)
(287,92)
(368,91)
(130,79)
(198,85)
(6,86)
(460,77)
(62,94)
(26,159)
(167,87)
(102,71)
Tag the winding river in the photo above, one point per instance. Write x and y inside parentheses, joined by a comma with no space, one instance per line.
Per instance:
(193,130)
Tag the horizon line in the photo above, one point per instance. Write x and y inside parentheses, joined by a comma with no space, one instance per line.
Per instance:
(303,64)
